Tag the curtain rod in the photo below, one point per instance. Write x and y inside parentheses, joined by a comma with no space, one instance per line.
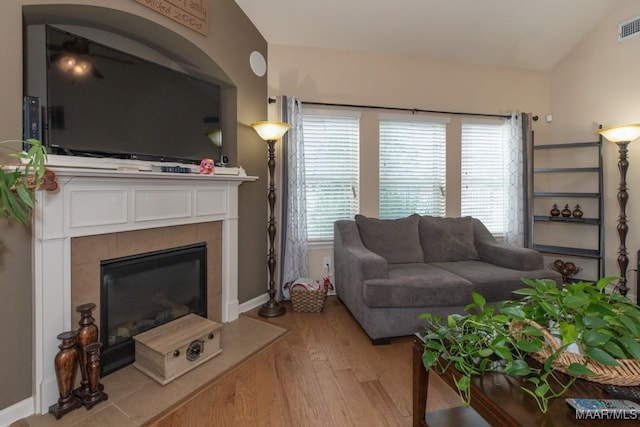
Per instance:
(412,110)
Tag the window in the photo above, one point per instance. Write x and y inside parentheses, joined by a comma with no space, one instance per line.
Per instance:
(331,147)
(485,181)
(412,167)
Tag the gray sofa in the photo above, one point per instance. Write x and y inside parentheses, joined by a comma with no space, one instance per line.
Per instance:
(388,272)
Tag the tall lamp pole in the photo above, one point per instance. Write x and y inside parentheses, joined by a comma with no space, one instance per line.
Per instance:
(622,136)
(271,132)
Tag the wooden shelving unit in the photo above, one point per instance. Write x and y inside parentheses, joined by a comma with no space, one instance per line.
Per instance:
(593,252)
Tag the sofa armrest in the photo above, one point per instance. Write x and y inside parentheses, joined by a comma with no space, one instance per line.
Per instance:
(513,257)
(365,264)
(353,264)
(353,261)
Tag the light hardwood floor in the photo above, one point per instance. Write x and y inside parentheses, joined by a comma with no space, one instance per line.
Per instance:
(324,372)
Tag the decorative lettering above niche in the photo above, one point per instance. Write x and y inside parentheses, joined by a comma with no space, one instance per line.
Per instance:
(193,14)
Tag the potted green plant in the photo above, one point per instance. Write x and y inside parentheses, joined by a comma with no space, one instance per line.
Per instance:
(532,337)
(18,182)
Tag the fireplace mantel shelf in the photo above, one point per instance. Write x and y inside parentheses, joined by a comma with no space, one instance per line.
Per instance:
(92,201)
(142,174)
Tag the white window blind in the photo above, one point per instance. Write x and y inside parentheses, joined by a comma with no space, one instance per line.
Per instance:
(331,170)
(412,168)
(484,192)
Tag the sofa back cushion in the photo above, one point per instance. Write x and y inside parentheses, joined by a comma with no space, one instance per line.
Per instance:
(447,239)
(396,240)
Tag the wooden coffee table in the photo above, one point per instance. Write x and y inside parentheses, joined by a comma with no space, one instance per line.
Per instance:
(498,400)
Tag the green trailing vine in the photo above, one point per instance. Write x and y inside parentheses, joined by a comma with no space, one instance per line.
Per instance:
(605,327)
(17,183)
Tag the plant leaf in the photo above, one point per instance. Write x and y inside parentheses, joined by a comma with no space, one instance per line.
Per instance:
(516,313)
(631,345)
(542,390)
(531,331)
(434,344)
(485,352)
(601,356)
(463,383)
(529,346)
(602,283)
(519,368)
(576,369)
(503,353)
(429,358)
(594,322)
(569,333)
(478,299)
(595,338)
(614,349)
(629,323)
(525,291)
(26,197)
(575,301)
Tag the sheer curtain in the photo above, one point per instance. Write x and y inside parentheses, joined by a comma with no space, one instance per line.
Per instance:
(294,205)
(515,215)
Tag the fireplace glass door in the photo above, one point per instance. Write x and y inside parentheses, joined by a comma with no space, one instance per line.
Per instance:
(144,291)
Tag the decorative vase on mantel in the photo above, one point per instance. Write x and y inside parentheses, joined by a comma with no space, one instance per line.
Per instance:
(554,210)
(566,212)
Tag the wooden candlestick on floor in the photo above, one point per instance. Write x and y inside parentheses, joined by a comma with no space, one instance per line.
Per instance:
(95,394)
(66,363)
(87,334)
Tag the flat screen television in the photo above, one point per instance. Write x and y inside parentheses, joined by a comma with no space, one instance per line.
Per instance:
(107,103)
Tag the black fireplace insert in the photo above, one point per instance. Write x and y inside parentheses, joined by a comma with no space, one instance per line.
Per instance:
(144,291)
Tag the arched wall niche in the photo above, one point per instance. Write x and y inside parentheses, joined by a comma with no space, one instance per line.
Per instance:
(175,47)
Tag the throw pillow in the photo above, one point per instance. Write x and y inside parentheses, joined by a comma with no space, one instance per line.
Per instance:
(396,240)
(447,239)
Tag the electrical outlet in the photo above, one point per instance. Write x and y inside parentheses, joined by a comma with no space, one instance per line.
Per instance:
(326,263)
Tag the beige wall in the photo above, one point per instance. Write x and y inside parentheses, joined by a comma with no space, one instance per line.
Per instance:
(15,313)
(335,76)
(598,83)
(231,39)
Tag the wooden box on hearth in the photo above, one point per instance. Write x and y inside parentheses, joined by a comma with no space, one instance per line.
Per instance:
(173,349)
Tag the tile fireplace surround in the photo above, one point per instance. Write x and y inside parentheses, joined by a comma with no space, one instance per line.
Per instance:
(121,205)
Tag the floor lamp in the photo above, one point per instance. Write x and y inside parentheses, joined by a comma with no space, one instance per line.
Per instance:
(622,136)
(271,132)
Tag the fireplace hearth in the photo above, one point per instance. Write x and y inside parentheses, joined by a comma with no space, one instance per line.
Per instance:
(144,291)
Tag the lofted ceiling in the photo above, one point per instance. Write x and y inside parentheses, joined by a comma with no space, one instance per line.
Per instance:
(525,34)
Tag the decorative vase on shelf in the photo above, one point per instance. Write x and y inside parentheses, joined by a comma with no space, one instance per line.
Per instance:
(566,212)
(555,211)
(566,269)
(577,212)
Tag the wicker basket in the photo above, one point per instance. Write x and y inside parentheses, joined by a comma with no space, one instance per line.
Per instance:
(626,374)
(308,301)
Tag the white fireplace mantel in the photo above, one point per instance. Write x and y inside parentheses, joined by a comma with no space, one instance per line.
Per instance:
(98,201)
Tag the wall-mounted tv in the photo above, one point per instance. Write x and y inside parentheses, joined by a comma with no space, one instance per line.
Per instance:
(104,102)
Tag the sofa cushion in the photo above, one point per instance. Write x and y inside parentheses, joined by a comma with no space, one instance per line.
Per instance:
(493,282)
(396,240)
(417,285)
(447,239)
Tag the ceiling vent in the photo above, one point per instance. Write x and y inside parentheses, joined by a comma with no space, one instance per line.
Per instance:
(629,29)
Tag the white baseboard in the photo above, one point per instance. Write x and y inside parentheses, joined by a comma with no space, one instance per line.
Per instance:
(16,411)
(253,303)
